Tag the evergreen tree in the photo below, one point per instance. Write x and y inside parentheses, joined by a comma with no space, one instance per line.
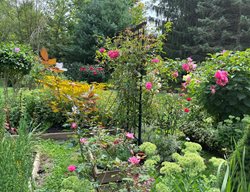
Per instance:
(223,24)
(98,18)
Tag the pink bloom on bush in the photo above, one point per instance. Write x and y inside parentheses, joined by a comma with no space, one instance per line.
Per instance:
(149,85)
(83,141)
(91,68)
(175,74)
(186,110)
(82,69)
(74,125)
(223,51)
(17,49)
(113,54)
(185,67)
(189,59)
(221,77)
(155,60)
(134,160)
(102,50)
(130,135)
(94,73)
(189,99)
(213,89)
(100,69)
(184,85)
(71,168)
(117,141)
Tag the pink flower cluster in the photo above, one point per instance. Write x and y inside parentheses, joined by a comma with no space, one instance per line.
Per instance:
(102,50)
(83,140)
(134,160)
(92,69)
(155,60)
(221,77)
(113,54)
(189,66)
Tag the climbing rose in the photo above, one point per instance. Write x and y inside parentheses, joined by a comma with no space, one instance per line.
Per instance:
(102,50)
(221,77)
(130,135)
(175,74)
(83,141)
(71,168)
(149,85)
(134,160)
(74,125)
(113,54)
(155,60)
(186,110)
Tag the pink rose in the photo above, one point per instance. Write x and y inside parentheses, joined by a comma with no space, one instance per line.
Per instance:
(189,59)
(71,168)
(113,54)
(130,135)
(175,74)
(100,69)
(149,85)
(134,160)
(94,73)
(155,60)
(221,77)
(74,125)
(102,50)
(186,110)
(189,99)
(185,67)
(83,141)
(17,49)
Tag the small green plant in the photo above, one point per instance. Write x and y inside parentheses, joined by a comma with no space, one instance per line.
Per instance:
(74,184)
(16,160)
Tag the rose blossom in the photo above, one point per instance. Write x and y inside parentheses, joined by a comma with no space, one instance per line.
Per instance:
(130,135)
(213,89)
(185,67)
(149,85)
(155,60)
(71,168)
(186,110)
(83,141)
(221,77)
(74,125)
(175,74)
(134,160)
(91,68)
(189,99)
(113,54)
(94,73)
(102,50)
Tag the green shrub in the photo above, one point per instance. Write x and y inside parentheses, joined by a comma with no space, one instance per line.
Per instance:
(232,98)
(74,184)
(37,109)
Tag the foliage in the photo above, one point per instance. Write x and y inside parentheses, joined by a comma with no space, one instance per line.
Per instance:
(76,185)
(62,155)
(230,99)
(186,173)
(37,108)
(96,18)
(16,160)
(132,70)
(15,59)
(237,174)
(148,148)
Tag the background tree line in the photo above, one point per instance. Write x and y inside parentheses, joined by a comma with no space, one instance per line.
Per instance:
(201,27)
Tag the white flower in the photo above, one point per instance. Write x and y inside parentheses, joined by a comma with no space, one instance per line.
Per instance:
(60,67)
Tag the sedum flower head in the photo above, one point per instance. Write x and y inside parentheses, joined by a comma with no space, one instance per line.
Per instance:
(170,168)
(148,148)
